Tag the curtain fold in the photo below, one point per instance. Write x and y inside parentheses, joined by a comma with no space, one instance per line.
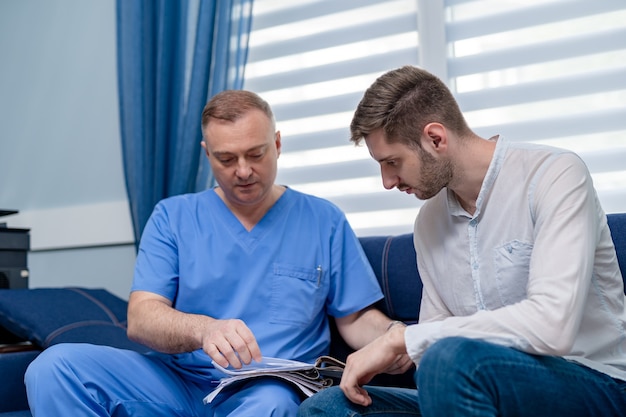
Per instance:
(172,56)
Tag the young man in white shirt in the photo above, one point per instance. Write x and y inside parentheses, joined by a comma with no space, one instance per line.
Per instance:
(523,307)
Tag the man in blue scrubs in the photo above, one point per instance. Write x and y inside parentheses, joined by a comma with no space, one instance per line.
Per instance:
(244,270)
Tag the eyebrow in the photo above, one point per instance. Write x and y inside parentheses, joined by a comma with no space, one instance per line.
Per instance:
(385,158)
(381,160)
(255,148)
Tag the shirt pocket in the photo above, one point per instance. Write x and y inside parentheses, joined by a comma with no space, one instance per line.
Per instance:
(296,297)
(512,268)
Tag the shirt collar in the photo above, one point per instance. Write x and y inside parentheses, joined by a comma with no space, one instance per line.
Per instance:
(454,207)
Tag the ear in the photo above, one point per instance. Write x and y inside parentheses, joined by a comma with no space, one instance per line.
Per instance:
(206,150)
(278,142)
(435,137)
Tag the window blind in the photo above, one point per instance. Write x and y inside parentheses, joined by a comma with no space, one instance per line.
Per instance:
(543,71)
(546,71)
(312,61)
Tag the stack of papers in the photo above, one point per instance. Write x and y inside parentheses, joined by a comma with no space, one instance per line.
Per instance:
(306,377)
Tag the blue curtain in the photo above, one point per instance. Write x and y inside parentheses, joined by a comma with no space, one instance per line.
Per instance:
(172,56)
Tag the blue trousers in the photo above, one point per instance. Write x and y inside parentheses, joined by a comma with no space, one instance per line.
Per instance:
(460,377)
(86,380)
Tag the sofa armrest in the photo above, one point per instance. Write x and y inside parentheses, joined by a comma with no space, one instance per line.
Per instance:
(12,390)
(617,224)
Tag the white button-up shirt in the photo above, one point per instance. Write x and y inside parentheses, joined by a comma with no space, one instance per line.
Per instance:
(534,268)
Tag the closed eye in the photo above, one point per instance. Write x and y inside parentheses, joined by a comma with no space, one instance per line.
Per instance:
(226,161)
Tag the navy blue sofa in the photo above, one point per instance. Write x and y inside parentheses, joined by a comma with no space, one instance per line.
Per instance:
(48,316)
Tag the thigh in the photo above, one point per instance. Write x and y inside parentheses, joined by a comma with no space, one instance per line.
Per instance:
(109,381)
(387,402)
(256,398)
(475,378)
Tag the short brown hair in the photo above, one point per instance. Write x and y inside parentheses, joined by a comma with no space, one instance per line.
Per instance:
(402,102)
(230,105)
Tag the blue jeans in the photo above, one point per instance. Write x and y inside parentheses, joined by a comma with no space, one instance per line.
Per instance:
(460,377)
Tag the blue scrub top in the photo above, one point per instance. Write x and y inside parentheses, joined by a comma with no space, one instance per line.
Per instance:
(301,262)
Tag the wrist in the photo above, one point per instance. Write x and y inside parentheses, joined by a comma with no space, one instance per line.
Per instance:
(394,337)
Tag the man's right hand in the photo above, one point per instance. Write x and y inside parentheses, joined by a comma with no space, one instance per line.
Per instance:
(230,342)
(369,361)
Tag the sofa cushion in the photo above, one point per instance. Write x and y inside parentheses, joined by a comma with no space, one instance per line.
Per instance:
(48,316)
(394,262)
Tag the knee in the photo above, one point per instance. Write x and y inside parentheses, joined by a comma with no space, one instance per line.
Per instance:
(46,364)
(48,369)
(323,403)
(58,362)
(453,350)
(451,358)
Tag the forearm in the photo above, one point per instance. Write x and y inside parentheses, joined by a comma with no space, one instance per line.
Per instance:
(157,325)
(361,328)
(153,322)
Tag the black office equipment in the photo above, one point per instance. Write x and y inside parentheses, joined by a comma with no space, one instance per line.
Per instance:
(14,247)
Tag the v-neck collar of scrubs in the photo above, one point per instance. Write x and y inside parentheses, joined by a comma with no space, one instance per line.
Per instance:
(249,239)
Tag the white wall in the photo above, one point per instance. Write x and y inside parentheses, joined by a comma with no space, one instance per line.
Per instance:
(60,153)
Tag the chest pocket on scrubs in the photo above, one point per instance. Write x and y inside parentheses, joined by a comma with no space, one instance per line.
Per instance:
(297,294)
(512,266)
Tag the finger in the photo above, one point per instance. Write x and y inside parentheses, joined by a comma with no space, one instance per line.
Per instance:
(249,349)
(245,345)
(233,344)
(246,351)
(214,353)
(222,352)
(351,387)
(356,394)
(234,350)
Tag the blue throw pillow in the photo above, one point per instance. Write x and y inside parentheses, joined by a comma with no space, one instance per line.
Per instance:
(47,316)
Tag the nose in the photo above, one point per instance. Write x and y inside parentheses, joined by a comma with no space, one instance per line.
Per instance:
(243,169)
(389,180)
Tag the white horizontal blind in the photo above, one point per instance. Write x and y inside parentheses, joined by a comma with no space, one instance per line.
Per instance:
(312,61)
(532,70)
(546,71)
